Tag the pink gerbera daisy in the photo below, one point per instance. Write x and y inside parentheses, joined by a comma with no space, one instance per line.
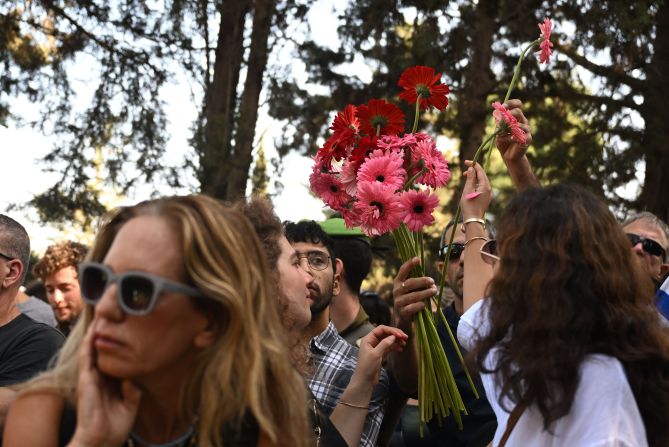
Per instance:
(385,168)
(546,44)
(508,123)
(394,143)
(426,152)
(418,206)
(378,208)
(329,188)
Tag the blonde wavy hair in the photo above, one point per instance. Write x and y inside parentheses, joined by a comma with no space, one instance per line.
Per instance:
(248,369)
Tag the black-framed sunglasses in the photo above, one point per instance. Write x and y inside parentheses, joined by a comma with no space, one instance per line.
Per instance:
(456,251)
(136,292)
(317,260)
(7,257)
(648,245)
(489,252)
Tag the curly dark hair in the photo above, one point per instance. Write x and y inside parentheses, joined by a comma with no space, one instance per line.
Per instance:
(58,256)
(267,225)
(311,232)
(567,287)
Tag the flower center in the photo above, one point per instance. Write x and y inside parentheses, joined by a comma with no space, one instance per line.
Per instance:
(418,209)
(423,91)
(334,188)
(380,178)
(379,120)
(378,205)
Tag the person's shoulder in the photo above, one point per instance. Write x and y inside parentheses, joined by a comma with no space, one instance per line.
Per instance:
(45,407)
(36,329)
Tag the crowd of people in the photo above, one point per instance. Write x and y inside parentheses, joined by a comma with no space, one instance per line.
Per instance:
(192,322)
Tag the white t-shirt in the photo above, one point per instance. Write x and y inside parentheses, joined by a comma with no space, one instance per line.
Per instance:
(603,413)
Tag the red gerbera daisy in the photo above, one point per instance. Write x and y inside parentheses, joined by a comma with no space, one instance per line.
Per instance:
(330,150)
(421,80)
(345,127)
(379,117)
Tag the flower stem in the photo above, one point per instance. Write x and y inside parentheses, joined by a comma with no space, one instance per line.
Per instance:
(417,116)
(516,72)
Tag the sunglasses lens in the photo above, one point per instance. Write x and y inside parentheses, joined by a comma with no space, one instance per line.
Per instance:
(490,247)
(652,247)
(137,292)
(456,251)
(93,283)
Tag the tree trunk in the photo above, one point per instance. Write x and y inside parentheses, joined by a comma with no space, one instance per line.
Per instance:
(473,108)
(237,168)
(221,98)
(655,195)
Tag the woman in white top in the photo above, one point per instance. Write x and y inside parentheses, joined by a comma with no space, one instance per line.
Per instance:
(568,339)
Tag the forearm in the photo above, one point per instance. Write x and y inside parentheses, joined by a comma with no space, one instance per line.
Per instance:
(521,174)
(477,273)
(349,420)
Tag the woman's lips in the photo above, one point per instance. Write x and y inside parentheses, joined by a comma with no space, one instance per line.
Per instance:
(106,342)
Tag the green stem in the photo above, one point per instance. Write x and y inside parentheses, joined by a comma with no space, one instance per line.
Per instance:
(409,182)
(516,72)
(417,116)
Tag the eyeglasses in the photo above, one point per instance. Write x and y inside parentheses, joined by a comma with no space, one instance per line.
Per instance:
(456,251)
(136,292)
(489,252)
(317,260)
(648,245)
(7,257)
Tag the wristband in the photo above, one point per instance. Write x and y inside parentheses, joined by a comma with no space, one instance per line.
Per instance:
(471,220)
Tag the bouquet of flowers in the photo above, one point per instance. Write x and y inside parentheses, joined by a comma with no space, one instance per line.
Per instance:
(384,181)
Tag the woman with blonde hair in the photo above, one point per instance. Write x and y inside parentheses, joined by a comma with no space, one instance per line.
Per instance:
(180,342)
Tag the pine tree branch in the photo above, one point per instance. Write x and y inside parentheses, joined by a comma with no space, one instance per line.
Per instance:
(608,72)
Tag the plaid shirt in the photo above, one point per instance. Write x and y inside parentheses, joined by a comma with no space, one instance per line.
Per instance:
(334,361)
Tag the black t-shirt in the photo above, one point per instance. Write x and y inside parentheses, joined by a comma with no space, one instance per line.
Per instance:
(480,424)
(26,347)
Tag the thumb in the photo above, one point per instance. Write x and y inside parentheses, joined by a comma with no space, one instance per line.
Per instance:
(471,180)
(385,346)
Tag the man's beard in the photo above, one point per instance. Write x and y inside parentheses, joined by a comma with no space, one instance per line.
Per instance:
(321,299)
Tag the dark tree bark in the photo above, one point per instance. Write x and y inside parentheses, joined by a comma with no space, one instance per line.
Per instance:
(655,195)
(236,170)
(221,98)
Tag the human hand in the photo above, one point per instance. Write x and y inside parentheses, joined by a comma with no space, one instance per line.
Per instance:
(475,205)
(374,347)
(510,149)
(410,294)
(106,408)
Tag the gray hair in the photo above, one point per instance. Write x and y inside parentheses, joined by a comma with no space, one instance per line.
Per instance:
(14,242)
(651,219)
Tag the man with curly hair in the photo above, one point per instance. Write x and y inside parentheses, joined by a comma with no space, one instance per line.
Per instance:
(58,270)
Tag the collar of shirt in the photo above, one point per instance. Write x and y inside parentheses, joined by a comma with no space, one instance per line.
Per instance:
(326,339)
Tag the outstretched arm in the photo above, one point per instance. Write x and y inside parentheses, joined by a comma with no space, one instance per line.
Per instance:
(514,154)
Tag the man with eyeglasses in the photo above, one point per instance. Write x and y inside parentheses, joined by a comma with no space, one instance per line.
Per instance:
(334,359)
(26,346)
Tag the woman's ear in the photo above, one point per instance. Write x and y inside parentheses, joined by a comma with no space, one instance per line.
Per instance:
(210,331)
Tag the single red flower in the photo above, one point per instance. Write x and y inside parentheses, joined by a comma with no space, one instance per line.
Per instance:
(379,117)
(330,150)
(421,80)
(345,127)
